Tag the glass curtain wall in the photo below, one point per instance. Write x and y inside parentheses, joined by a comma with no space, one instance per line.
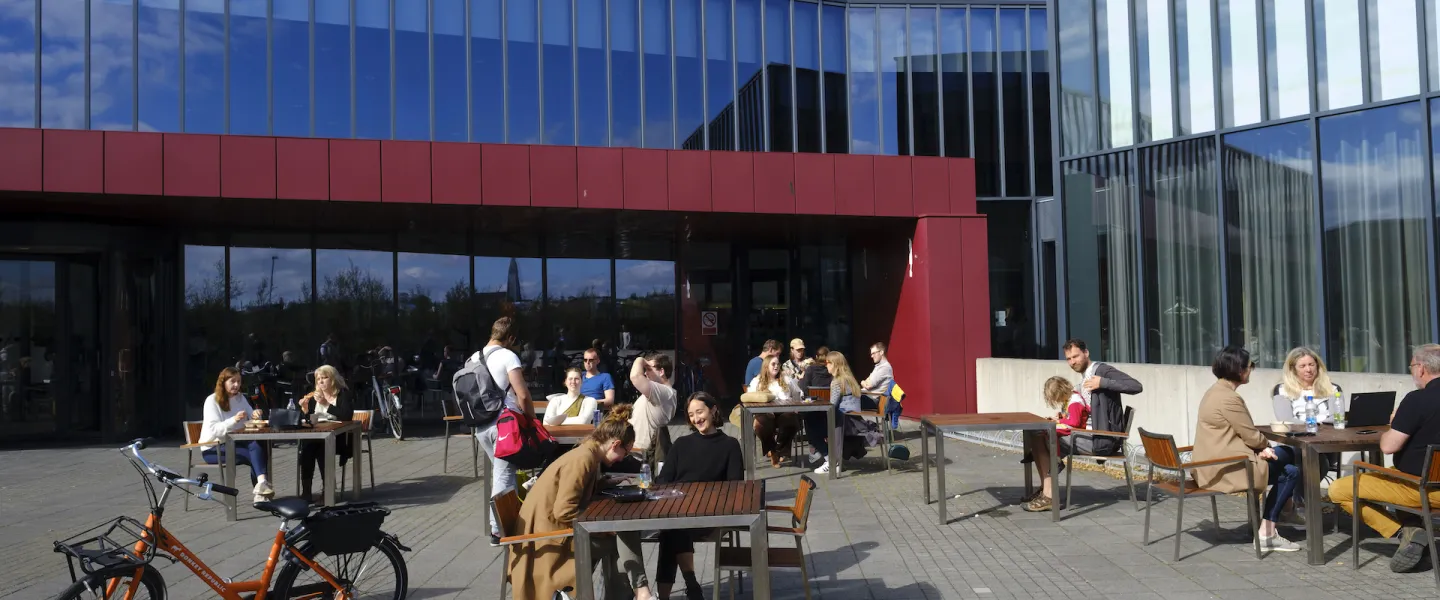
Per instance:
(1180,223)
(1102,249)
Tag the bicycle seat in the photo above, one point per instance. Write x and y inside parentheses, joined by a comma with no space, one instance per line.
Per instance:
(286,508)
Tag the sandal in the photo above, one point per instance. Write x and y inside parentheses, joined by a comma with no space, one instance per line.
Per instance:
(1039,504)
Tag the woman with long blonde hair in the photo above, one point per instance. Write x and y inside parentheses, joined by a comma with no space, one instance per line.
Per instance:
(776,431)
(845,393)
(331,401)
(1303,373)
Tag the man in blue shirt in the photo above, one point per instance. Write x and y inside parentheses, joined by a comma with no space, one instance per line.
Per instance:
(595,384)
(770,350)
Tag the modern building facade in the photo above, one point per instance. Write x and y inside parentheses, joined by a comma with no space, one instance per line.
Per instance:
(1254,173)
(192,183)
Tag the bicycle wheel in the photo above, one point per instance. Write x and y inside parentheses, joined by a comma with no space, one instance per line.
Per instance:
(376,574)
(397,418)
(152,587)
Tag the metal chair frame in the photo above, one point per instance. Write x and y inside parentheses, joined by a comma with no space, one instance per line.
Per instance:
(192,443)
(1164,455)
(1122,436)
(799,518)
(1424,486)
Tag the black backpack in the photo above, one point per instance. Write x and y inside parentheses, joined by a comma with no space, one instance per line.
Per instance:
(478,395)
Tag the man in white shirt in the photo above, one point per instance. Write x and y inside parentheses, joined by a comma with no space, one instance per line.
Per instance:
(505,367)
(880,379)
(651,377)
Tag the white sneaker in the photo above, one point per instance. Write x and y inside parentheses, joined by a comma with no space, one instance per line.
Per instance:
(529,483)
(1277,544)
(823,469)
(263,488)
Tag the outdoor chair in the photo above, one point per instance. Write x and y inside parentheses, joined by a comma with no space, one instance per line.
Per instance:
(736,559)
(1119,455)
(879,415)
(364,417)
(192,444)
(453,417)
(507,512)
(1163,455)
(1424,485)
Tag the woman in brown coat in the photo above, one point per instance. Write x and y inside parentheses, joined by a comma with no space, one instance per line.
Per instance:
(1224,428)
(539,569)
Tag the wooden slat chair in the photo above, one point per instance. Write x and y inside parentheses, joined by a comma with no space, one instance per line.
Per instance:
(736,559)
(365,418)
(507,512)
(1423,485)
(453,418)
(1163,455)
(192,447)
(879,415)
(1121,436)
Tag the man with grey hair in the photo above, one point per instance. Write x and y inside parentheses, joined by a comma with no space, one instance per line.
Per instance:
(1414,426)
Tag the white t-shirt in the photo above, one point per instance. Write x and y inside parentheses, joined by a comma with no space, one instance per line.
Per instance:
(653,412)
(219,423)
(501,362)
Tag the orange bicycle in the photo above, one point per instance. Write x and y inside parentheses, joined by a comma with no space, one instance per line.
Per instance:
(338,553)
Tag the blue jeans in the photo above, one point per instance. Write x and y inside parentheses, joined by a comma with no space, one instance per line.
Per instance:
(815,423)
(502,473)
(246,453)
(1285,479)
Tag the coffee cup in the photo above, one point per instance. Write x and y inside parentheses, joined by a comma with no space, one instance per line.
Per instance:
(1280,427)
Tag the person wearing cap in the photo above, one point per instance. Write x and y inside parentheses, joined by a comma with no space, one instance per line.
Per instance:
(794,368)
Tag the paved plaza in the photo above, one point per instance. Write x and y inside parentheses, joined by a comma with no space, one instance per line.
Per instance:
(871,535)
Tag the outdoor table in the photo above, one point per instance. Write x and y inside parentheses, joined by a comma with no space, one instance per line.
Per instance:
(327,432)
(1327,440)
(941,424)
(747,429)
(564,434)
(709,505)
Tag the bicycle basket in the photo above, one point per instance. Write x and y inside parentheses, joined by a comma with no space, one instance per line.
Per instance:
(346,529)
(107,545)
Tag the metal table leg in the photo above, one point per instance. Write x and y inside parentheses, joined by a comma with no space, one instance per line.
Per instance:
(356,454)
(925,457)
(329,473)
(747,440)
(1314,518)
(584,584)
(1054,474)
(229,459)
(837,442)
(940,471)
(760,559)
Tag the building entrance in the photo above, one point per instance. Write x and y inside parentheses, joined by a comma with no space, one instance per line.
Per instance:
(49,347)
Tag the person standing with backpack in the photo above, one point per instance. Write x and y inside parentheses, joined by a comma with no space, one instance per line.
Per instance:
(506,370)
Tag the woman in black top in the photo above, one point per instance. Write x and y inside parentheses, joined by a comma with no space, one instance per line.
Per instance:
(706,455)
(331,401)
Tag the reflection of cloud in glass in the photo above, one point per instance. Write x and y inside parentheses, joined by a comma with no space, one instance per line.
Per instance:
(250,275)
(433,274)
(641,278)
(571,277)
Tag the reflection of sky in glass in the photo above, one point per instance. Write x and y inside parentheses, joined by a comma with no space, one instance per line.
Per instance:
(487,81)
(1338,53)
(201,273)
(689,72)
(644,277)
(17,79)
(291,51)
(62,99)
(372,69)
(492,274)
(329,263)
(655,16)
(250,274)
(1240,62)
(431,274)
(557,62)
(248,87)
(412,72)
(625,73)
(892,54)
(719,59)
(521,28)
(26,279)
(570,277)
(1113,45)
(451,105)
(594,125)
(205,66)
(1153,30)
(1372,165)
(112,67)
(1285,45)
(332,68)
(1394,44)
(864,103)
(159,66)
(1197,82)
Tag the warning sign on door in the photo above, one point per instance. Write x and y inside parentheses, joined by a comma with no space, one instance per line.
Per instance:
(709,322)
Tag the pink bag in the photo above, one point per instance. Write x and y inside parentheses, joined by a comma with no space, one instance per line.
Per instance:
(521,441)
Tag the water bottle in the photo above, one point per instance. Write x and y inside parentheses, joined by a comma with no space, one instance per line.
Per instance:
(292,405)
(1311,424)
(598,418)
(1337,411)
(645,476)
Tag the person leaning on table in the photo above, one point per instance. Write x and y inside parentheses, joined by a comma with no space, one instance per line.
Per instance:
(1414,426)
(226,411)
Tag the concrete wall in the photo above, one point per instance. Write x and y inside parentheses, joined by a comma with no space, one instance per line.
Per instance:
(1171,397)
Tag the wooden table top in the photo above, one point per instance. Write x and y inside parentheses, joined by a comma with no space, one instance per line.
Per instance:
(991,419)
(1330,439)
(330,427)
(570,431)
(785,404)
(708,499)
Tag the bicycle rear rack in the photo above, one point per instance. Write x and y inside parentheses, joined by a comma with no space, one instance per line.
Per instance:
(107,546)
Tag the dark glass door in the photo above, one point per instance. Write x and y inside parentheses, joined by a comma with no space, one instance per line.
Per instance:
(48,340)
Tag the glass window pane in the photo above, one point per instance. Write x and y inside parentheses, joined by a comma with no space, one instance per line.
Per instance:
(1377,210)
(659,130)
(864,83)
(270,294)
(291,30)
(1179,207)
(207,319)
(624,73)
(1394,48)
(1040,101)
(836,88)
(1240,62)
(779,68)
(249,84)
(557,62)
(487,73)
(808,118)
(1008,240)
(955,80)
(372,69)
(1285,46)
(204,66)
(579,306)
(689,75)
(523,80)
(748,64)
(112,68)
(1432,37)
(434,309)
(159,65)
(925,79)
(62,62)
(354,299)
(1101,232)
(332,68)
(510,287)
(1016,126)
(985,93)
(449,49)
(17,29)
(1112,45)
(719,75)
(1079,132)
(1270,258)
(1338,77)
(593,73)
(894,118)
(412,71)
(1152,38)
(645,292)
(1194,55)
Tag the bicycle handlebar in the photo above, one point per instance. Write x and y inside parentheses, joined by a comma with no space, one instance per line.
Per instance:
(170,478)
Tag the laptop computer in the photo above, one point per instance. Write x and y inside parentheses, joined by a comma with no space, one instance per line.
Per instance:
(1369,409)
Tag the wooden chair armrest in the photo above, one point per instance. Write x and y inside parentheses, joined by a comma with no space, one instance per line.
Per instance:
(1214,461)
(457,418)
(1361,465)
(789,509)
(785,530)
(195,445)
(535,537)
(1099,432)
(1185,449)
